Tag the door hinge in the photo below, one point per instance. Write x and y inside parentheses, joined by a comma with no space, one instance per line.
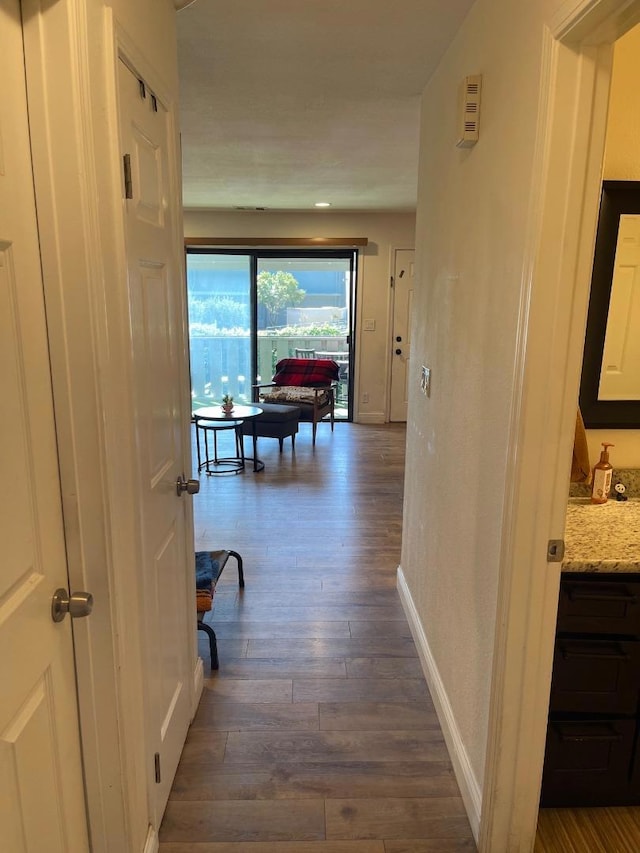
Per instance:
(156,759)
(128,183)
(555,550)
(143,89)
(392,281)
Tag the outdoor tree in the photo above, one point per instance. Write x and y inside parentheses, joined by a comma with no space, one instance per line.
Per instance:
(277,290)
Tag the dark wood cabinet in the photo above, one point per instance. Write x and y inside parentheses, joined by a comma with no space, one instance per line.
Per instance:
(592,750)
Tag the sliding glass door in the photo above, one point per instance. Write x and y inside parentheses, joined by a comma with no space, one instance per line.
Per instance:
(304,310)
(247,311)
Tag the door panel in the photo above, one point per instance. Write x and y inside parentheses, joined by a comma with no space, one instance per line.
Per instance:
(155,290)
(403,281)
(41,793)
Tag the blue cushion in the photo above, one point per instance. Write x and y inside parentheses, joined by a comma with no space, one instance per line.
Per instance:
(206,570)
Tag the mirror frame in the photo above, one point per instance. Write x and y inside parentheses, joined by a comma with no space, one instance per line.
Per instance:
(617,197)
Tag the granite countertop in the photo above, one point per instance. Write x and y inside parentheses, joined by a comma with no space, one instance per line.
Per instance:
(602,537)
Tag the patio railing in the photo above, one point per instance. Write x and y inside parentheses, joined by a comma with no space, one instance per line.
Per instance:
(222,364)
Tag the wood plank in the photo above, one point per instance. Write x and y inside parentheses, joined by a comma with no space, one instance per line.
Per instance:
(233,716)
(436,817)
(283,668)
(277,847)
(309,780)
(393,647)
(249,630)
(357,689)
(377,716)
(383,667)
(246,690)
(329,746)
(233,820)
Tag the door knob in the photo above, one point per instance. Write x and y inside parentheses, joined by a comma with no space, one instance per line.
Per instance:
(77,604)
(191,487)
(399,339)
(398,352)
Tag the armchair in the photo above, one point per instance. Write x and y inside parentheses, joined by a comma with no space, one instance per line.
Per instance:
(308,383)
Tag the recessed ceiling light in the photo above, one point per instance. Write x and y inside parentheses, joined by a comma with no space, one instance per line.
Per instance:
(323,204)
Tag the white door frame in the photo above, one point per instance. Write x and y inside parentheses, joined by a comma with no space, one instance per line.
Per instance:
(563,211)
(71,50)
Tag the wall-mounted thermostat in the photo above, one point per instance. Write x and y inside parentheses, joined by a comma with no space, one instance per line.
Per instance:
(469,111)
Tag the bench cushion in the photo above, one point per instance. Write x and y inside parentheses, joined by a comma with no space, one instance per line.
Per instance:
(276,413)
(295,394)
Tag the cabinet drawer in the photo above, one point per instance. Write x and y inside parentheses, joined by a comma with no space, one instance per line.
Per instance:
(589,763)
(599,605)
(596,676)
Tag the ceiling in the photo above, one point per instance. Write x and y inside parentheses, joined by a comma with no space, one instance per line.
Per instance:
(285,103)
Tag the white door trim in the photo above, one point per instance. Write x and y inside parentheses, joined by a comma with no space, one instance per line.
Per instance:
(563,212)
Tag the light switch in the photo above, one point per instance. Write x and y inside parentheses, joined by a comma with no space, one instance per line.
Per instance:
(369,325)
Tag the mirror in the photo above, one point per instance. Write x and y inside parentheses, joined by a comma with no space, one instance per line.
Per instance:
(610,384)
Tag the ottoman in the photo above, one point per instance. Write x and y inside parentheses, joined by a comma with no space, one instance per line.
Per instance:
(276,421)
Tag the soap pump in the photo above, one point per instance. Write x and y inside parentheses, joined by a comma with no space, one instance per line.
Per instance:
(602,472)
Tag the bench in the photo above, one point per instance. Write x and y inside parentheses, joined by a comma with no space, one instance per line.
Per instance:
(209,566)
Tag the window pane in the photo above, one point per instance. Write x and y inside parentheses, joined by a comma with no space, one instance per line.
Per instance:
(218,290)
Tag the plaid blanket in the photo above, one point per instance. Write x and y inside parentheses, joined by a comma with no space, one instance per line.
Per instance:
(311,372)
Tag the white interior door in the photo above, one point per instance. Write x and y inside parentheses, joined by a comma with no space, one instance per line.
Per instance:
(620,377)
(155,294)
(403,279)
(41,787)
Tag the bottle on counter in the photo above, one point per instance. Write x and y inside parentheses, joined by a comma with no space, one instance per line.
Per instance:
(601,480)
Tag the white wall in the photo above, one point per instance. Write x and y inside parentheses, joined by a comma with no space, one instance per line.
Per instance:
(471,234)
(622,163)
(384,231)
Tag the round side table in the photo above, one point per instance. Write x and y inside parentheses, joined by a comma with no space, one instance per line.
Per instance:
(213,419)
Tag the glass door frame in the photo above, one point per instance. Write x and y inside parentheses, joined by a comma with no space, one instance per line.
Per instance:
(255,255)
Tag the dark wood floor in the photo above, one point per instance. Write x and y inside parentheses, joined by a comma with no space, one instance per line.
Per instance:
(317,734)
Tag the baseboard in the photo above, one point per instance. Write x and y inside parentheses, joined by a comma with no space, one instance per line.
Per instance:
(370,418)
(469,788)
(151,844)
(198,685)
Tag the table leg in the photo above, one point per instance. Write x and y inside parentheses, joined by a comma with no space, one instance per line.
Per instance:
(198,447)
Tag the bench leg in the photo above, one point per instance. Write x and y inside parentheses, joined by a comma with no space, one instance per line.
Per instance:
(240,567)
(213,645)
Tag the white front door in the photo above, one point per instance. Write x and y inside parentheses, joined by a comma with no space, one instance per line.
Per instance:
(156,292)
(403,279)
(41,786)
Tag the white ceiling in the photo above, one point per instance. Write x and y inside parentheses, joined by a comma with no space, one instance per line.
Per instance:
(288,102)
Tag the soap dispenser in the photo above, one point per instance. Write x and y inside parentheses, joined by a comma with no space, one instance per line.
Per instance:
(602,476)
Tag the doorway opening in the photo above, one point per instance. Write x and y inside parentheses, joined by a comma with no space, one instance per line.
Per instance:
(249,309)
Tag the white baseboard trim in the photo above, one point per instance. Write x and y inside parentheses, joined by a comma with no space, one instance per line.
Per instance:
(198,685)
(151,845)
(371,418)
(469,788)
